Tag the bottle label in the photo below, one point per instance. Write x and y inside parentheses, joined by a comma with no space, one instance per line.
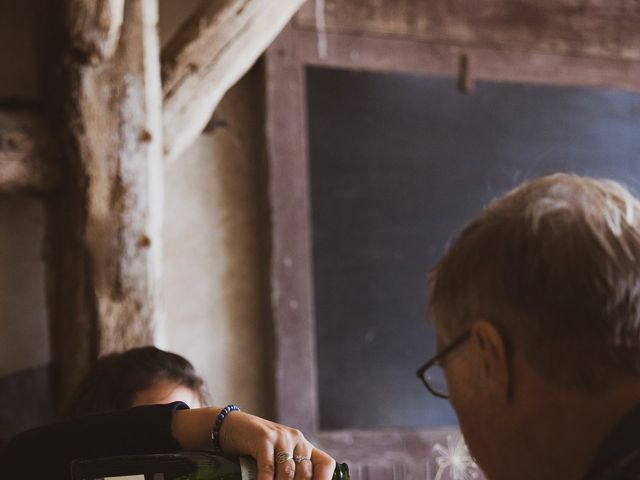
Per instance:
(248,468)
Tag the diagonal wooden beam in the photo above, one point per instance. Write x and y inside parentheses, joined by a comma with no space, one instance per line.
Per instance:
(105,223)
(212,50)
(23,144)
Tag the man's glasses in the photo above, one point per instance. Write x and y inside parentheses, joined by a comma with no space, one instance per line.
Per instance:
(432,372)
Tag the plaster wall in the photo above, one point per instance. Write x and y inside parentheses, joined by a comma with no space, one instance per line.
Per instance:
(25,388)
(19,39)
(216,247)
(24,334)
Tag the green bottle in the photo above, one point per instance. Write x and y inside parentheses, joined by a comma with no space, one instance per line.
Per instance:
(341,472)
(175,466)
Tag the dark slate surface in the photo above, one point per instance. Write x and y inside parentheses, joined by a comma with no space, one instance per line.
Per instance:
(398,164)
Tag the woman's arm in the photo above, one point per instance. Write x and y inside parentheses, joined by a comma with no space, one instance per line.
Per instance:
(244,434)
(47,452)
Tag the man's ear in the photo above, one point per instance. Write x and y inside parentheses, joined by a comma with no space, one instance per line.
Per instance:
(495,362)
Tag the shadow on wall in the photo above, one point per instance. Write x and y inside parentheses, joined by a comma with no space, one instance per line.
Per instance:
(26,400)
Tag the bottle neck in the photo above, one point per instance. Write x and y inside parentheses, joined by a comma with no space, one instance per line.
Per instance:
(341,472)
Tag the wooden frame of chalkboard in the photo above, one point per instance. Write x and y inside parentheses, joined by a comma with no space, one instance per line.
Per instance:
(374,453)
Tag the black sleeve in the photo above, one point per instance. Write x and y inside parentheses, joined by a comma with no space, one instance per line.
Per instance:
(47,452)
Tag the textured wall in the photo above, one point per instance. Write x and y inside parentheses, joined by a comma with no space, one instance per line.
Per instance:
(19,39)
(216,254)
(23,327)
(25,388)
(23,323)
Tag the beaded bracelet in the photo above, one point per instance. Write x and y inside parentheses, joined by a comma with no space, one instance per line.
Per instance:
(215,433)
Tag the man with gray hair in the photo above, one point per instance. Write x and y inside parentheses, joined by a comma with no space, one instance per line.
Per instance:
(536,305)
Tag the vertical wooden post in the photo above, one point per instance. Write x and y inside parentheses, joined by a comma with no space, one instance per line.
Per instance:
(105,221)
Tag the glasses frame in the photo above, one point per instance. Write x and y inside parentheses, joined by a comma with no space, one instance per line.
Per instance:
(437,359)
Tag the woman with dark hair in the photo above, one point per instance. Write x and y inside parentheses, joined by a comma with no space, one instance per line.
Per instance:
(140,376)
(100,423)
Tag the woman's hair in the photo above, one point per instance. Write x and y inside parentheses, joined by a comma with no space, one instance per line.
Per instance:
(115,379)
(555,263)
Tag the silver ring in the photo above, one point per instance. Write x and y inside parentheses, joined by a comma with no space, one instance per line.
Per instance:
(282,457)
(300,458)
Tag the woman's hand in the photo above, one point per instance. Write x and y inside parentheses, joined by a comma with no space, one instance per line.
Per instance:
(282,453)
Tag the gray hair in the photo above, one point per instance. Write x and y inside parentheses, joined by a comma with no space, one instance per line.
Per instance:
(555,264)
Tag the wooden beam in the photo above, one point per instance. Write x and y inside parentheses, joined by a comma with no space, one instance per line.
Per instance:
(94,27)
(380,54)
(597,29)
(23,144)
(105,225)
(212,50)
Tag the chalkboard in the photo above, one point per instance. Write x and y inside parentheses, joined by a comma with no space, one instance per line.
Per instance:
(398,164)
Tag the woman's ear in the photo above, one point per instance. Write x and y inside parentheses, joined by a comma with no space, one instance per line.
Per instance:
(495,364)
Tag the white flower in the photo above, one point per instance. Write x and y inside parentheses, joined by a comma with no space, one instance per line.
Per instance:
(455,460)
